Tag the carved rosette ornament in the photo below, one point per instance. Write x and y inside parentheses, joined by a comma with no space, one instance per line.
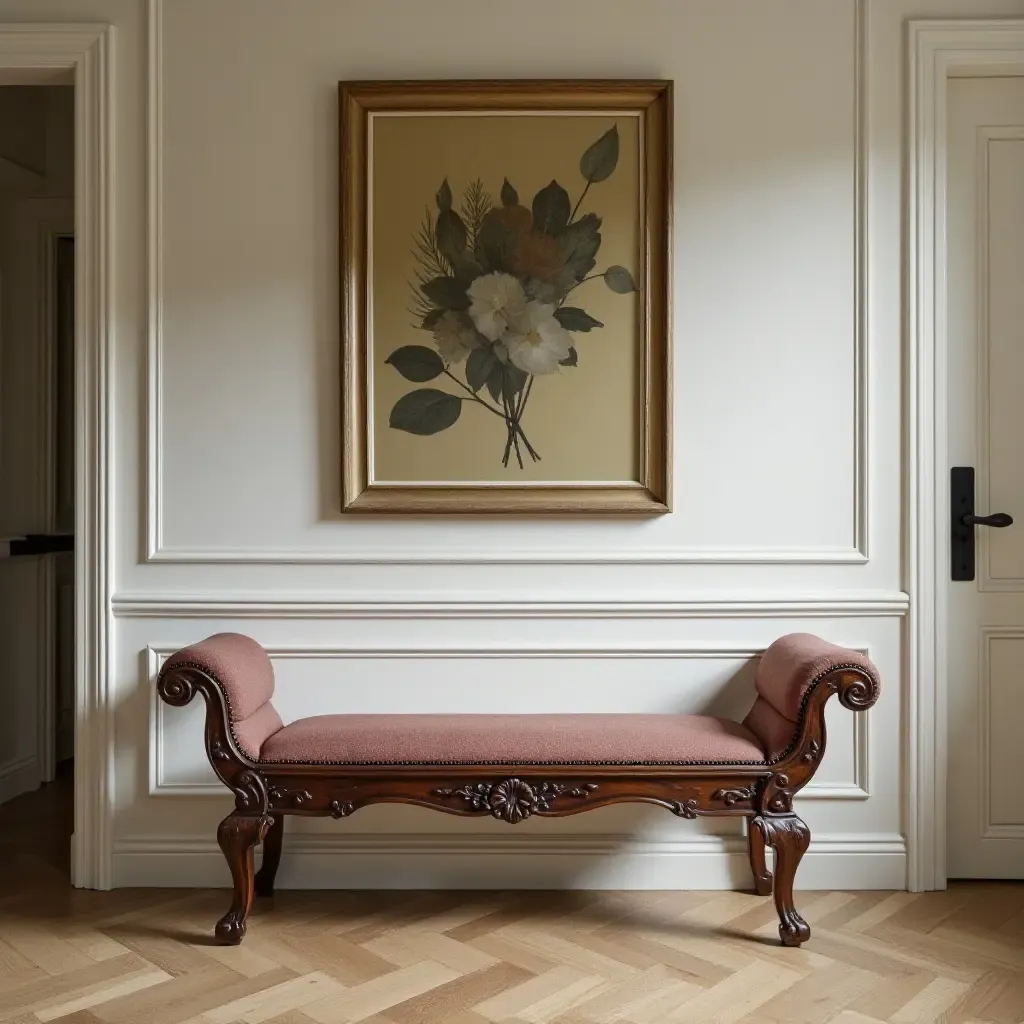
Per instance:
(514,800)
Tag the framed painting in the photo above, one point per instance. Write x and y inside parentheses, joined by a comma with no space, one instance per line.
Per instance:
(505,279)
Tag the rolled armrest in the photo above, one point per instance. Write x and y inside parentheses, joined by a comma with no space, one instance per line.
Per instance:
(245,675)
(787,673)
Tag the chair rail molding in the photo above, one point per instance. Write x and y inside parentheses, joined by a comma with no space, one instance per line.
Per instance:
(938,50)
(855,788)
(86,51)
(157,549)
(851,604)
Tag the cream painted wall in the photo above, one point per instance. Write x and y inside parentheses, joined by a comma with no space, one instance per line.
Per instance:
(786,433)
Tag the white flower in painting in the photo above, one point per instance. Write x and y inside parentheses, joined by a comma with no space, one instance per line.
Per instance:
(455,337)
(537,342)
(495,301)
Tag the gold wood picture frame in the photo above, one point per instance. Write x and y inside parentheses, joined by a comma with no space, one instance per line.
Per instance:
(506,297)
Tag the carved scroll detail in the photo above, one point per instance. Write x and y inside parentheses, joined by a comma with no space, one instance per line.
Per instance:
(250,792)
(514,800)
(684,808)
(295,797)
(731,797)
(341,809)
(812,753)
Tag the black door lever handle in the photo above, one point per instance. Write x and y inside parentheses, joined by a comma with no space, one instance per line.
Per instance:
(997,519)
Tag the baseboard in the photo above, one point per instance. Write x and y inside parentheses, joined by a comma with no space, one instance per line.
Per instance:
(17,777)
(528,862)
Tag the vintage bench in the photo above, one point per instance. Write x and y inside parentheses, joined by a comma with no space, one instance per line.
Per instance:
(512,767)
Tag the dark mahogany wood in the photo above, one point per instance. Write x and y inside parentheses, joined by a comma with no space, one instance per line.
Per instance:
(265,792)
(272,844)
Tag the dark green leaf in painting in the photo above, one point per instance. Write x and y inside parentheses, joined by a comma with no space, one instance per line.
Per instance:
(551,209)
(451,235)
(620,280)
(444,196)
(447,293)
(465,268)
(574,319)
(494,242)
(578,245)
(494,381)
(416,363)
(479,365)
(425,411)
(429,322)
(598,162)
(509,196)
(515,380)
(571,359)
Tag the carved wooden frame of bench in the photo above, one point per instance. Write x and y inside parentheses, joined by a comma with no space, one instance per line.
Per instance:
(265,792)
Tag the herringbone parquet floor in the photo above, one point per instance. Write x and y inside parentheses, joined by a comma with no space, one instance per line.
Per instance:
(145,956)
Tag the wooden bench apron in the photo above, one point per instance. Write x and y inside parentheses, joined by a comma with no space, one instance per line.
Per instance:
(512,767)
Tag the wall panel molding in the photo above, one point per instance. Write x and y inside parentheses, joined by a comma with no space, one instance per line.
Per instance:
(856,788)
(157,548)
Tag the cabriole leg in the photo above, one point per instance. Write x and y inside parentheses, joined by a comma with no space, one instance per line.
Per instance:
(789,837)
(272,841)
(758,862)
(237,835)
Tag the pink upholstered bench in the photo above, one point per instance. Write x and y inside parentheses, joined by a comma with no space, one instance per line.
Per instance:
(512,767)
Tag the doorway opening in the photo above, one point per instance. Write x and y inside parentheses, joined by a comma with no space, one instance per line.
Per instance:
(37,460)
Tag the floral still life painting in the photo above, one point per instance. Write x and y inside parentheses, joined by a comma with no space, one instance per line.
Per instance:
(505,296)
(492,288)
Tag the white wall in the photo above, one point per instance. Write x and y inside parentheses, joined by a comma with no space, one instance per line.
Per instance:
(787,423)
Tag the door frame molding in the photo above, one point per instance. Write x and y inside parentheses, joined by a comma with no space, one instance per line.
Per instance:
(85,51)
(938,51)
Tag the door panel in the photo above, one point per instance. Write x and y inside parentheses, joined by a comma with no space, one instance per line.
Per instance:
(985,635)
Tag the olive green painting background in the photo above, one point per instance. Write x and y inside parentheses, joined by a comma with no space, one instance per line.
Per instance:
(584,421)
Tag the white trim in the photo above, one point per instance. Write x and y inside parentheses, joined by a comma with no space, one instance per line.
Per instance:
(154,278)
(937,51)
(155,654)
(156,550)
(528,860)
(632,556)
(86,50)
(854,604)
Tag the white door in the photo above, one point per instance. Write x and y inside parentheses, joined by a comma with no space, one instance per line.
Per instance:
(36,304)
(985,626)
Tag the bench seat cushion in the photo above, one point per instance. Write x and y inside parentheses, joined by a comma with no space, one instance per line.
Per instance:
(513,739)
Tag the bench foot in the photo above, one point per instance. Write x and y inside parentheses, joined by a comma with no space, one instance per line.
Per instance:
(272,841)
(789,837)
(758,863)
(236,836)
